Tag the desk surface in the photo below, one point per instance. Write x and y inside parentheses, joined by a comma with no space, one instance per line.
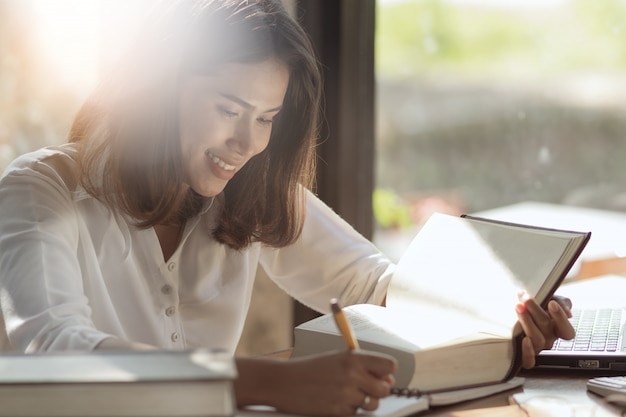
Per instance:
(566,384)
(569,385)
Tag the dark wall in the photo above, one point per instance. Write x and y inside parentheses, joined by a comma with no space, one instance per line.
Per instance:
(343,34)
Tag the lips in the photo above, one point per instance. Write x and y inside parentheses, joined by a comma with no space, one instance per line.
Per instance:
(219,162)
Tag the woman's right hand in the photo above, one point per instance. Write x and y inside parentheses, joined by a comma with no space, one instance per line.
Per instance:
(330,384)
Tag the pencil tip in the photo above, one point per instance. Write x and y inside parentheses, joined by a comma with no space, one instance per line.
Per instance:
(334,305)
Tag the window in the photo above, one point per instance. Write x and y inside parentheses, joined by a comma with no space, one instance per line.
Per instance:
(488,103)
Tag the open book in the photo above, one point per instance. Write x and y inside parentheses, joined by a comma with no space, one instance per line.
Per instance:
(450,319)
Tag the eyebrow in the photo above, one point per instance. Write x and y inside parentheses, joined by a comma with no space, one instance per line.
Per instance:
(247,105)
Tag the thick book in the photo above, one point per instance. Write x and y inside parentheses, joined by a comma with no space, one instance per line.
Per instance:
(118,383)
(450,318)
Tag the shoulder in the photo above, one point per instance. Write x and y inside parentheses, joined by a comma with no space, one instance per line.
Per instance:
(54,164)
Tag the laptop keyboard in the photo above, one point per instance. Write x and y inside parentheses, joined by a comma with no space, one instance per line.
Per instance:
(597,330)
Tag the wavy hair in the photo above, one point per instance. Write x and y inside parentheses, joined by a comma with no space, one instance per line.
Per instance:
(127,131)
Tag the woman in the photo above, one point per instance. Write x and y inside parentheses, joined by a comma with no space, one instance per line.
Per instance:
(185,170)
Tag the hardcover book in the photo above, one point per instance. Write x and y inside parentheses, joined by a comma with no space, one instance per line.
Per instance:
(117,383)
(450,317)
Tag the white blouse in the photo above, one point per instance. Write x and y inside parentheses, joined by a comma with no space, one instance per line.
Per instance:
(73,272)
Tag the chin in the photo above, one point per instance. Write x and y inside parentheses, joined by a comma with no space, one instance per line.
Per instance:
(208,192)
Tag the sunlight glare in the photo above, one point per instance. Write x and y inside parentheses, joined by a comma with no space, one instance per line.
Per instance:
(68,31)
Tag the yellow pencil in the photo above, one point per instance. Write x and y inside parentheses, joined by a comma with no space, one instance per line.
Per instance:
(344,325)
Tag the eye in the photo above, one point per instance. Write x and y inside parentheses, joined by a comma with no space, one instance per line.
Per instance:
(228,113)
(265,121)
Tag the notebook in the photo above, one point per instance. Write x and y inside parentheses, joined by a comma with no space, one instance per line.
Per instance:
(403,406)
(599,316)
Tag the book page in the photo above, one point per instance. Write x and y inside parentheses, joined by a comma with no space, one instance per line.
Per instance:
(406,332)
(428,325)
(370,323)
(476,268)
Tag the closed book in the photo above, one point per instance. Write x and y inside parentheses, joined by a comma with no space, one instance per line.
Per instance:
(118,384)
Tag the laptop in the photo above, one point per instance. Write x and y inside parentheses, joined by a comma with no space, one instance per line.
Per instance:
(599,321)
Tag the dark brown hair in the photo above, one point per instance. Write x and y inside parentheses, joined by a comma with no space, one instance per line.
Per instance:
(127,130)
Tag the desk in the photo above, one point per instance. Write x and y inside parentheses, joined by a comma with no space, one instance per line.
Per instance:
(570,385)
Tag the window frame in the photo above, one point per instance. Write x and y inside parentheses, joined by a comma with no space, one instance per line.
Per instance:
(342,32)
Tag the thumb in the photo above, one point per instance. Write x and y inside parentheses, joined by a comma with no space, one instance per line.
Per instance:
(378,364)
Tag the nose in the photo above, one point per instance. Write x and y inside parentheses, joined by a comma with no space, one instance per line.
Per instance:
(245,141)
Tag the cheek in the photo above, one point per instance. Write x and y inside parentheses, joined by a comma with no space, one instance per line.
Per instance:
(195,119)
(265,142)
(264,137)
(261,143)
(194,124)
(196,136)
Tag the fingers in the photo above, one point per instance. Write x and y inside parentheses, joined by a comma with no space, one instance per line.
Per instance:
(378,364)
(565,303)
(543,326)
(357,380)
(373,375)
(369,403)
(346,381)
(528,353)
(562,326)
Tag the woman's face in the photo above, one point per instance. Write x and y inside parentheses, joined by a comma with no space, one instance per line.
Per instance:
(226,119)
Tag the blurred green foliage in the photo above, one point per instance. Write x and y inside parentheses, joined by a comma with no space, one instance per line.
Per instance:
(435,37)
(390,211)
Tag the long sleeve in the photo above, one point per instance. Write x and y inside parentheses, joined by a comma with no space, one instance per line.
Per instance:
(38,244)
(331,259)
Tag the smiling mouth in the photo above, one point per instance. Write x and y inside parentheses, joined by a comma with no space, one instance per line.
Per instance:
(219,162)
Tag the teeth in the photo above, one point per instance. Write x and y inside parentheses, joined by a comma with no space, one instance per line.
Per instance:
(221,163)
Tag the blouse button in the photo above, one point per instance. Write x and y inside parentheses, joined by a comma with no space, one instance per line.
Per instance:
(175,337)
(170,311)
(166,289)
(171,266)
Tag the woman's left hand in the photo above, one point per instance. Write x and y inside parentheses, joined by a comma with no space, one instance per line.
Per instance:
(543,326)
